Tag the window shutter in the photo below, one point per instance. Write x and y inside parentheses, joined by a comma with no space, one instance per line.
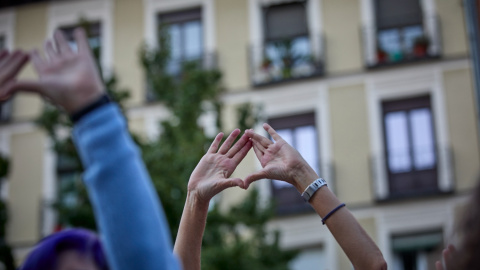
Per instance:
(394,13)
(180,16)
(285,21)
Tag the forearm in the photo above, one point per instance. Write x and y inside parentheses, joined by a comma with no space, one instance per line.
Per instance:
(355,242)
(188,244)
(127,209)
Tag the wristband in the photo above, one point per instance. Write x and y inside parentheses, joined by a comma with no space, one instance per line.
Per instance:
(331,213)
(312,188)
(104,99)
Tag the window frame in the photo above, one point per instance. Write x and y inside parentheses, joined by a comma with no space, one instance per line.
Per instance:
(427,175)
(393,85)
(369,30)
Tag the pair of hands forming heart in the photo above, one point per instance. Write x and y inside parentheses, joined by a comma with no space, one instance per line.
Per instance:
(279,161)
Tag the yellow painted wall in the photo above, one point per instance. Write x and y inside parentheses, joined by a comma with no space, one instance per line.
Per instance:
(128,36)
(462,126)
(30,31)
(232,21)
(350,143)
(342,35)
(25,187)
(452,27)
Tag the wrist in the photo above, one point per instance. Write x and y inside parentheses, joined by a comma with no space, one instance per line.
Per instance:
(196,202)
(303,177)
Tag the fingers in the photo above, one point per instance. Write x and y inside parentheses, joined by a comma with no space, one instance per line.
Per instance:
(82,40)
(254,177)
(240,155)
(50,51)
(216,142)
(438,265)
(259,138)
(258,152)
(228,142)
(3,54)
(272,132)
(237,146)
(62,43)
(231,182)
(11,65)
(24,86)
(37,61)
(448,257)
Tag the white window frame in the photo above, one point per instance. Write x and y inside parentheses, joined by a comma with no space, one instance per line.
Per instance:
(404,84)
(257,35)
(155,7)
(62,14)
(368,22)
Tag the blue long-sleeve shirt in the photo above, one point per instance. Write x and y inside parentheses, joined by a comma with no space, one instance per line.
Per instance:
(129,215)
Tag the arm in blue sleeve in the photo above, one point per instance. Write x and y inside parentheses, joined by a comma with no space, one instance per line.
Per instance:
(128,212)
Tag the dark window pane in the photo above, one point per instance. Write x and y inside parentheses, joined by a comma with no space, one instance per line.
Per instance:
(285,21)
(185,31)
(394,13)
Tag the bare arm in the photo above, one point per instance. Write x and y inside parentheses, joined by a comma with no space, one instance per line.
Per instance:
(281,161)
(210,177)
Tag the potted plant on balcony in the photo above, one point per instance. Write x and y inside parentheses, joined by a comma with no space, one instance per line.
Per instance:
(266,63)
(420,46)
(382,55)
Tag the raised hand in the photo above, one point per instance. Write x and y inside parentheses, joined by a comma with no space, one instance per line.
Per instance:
(279,160)
(69,79)
(10,66)
(211,176)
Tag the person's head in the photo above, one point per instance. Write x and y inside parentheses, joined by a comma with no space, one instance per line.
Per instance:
(470,233)
(67,250)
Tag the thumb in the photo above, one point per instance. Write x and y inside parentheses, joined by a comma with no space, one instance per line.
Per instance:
(230,182)
(262,174)
(22,86)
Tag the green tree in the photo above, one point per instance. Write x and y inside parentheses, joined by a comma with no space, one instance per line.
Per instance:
(237,238)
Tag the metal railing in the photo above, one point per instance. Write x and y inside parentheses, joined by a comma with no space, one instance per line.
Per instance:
(285,60)
(426,45)
(442,169)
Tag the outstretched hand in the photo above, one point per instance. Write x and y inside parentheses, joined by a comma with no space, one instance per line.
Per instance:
(68,79)
(279,161)
(211,176)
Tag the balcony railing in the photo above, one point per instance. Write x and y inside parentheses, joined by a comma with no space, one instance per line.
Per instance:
(384,47)
(417,175)
(176,68)
(285,60)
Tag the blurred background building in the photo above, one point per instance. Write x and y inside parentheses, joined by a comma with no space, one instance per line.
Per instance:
(376,94)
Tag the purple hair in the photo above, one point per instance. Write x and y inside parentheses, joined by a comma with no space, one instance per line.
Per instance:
(46,252)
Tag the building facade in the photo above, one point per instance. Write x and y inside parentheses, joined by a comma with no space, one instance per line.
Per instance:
(376,94)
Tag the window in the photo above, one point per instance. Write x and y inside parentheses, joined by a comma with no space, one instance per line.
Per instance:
(286,51)
(185,30)
(417,251)
(411,156)
(401,31)
(5,106)
(300,132)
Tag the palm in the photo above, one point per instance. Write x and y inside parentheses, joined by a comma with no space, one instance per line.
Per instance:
(212,173)
(279,160)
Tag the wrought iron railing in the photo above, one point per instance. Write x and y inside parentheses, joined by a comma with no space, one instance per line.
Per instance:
(437,178)
(285,60)
(383,47)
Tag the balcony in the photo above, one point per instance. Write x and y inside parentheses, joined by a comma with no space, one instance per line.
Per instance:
(404,175)
(176,67)
(286,60)
(403,44)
